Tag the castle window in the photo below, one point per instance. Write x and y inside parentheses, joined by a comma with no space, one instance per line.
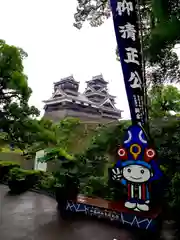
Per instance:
(88,91)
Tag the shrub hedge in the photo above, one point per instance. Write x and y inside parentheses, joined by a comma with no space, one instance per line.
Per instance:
(20,180)
(47,182)
(5,167)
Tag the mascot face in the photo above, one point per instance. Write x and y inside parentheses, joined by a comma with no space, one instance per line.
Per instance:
(136,173)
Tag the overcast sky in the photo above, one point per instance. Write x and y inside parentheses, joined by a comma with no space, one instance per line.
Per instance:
(44,29)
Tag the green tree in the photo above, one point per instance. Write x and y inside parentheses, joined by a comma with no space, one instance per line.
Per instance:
(93,11)
(32,136)
(3,138)
(160,17)
(67,131)
(67,134)
(17,118)
(73,135)
(13,82)
(102,149)
(40,134)
(163,101)
(163,25)
(166,138)
(161,62)
(166,70)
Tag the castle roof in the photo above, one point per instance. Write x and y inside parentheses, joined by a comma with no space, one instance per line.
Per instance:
(66,79)
(66,90)
(97,78)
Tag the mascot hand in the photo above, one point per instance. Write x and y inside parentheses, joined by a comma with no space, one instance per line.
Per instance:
(116,174)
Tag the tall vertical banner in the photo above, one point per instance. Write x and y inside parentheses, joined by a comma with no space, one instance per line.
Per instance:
(127,35)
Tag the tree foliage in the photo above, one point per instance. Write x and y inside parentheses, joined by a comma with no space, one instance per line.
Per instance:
(165,70)
(36,137)
(72,134)
(164,19)
(15,113)
(67,131)
(69,134)
(163,101)
(66,166)
(3,138)
(165,134)
(160,25)
(93,11)
(161,20)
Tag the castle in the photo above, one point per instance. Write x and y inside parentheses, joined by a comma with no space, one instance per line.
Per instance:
(94,105)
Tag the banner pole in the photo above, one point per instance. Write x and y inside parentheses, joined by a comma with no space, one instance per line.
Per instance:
(143,70)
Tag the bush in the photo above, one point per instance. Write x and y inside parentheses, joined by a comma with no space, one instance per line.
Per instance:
(21,180)
(46,182)
(54,154)
(67,183)
(33,176)
(5,167)
(94,187)
(175,195)
(101,187)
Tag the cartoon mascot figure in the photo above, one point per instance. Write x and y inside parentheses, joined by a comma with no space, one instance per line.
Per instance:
(137,174)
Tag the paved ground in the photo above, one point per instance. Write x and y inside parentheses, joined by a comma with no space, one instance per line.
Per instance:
(31,216)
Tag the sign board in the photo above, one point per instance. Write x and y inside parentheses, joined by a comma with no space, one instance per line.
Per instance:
(127,35)
(38,165)
(136,168)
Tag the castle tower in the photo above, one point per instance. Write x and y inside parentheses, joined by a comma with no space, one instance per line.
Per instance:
(66,86)
(97,92)
(94,105)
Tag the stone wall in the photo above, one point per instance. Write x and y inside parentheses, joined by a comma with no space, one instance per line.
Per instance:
(17,157)
(25,164)
(57,115)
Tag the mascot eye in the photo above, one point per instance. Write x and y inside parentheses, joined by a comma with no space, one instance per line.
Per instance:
(142,171)
(129,170)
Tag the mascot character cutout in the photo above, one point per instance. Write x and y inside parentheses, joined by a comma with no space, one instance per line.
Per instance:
(136,169)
